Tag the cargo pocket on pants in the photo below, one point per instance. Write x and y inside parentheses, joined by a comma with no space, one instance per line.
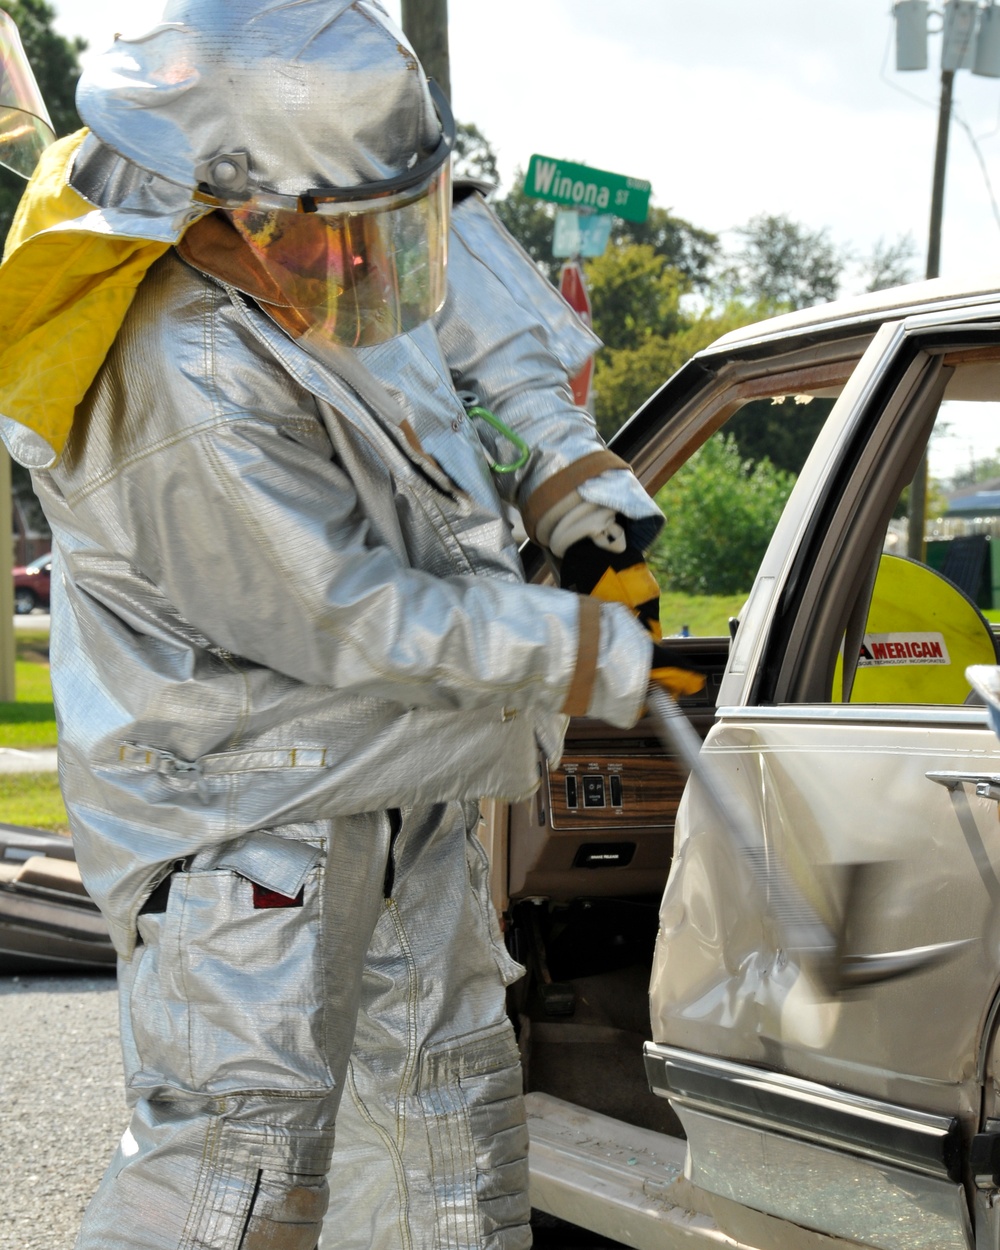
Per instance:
(470,1096)
(225,994)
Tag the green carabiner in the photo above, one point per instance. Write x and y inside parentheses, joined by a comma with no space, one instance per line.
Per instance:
(485,415)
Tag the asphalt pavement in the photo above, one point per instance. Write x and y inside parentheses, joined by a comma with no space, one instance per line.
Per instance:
(62,1107)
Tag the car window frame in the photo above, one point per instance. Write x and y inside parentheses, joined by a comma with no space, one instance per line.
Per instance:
(884,444)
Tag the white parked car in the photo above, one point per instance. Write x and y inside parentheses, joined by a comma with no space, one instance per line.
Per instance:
(744,1102)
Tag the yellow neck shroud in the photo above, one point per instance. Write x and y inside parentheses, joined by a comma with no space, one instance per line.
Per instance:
(65,287)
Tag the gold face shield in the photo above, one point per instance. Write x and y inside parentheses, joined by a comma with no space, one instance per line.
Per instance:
(361,271)
(25,128)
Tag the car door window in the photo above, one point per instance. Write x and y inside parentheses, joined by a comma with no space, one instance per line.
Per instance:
(934,605)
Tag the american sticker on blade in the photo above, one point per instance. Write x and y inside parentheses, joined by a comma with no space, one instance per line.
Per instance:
(916,648)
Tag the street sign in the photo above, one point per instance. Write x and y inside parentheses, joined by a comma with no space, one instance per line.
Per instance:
(579,186)
(573,288)
(580,234)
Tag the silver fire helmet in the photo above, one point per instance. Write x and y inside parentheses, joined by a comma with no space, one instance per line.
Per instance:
(311,124)
(25,128)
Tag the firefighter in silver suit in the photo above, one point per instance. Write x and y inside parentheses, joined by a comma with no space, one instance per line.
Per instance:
(280,397)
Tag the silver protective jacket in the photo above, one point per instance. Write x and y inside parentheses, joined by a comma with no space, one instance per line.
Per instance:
(286,591)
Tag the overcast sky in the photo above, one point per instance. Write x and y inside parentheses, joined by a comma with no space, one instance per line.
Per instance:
(729,109)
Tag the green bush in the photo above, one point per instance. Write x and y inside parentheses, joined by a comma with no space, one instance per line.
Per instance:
(721,511)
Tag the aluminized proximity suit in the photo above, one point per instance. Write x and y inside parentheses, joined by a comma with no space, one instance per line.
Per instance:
(291,648)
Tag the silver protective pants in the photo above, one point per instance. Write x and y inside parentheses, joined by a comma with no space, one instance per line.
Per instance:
(245,1027)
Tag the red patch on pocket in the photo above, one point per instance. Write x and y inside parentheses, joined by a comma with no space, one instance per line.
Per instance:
(263,897)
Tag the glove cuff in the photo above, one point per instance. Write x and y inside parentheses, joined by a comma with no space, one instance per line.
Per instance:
(612,672)
(565,482)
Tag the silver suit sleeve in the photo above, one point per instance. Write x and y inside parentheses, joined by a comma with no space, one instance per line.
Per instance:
(511,339)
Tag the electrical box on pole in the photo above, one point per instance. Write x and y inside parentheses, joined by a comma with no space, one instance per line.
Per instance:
(911,34)
(987,60)
(958,35)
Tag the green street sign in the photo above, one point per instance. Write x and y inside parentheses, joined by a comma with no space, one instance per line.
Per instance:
(579,186)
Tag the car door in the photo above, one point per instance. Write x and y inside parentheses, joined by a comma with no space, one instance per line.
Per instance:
(870,1096)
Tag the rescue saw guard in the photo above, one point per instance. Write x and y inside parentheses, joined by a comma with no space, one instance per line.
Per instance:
(292,646)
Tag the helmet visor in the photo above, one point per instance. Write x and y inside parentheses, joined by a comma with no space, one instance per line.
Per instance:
(359,272)
(25,128)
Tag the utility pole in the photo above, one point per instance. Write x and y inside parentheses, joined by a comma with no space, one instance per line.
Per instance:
(425,24)
(940,163)
(915,546)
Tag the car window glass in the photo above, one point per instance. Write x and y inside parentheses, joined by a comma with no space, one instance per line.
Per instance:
(935,602)
(722,504)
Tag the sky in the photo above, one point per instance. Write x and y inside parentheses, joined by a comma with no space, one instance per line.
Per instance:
(729,109)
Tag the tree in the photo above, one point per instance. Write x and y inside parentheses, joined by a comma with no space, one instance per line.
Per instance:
(888,263)
(782,431)
(474,156)
(638,312)
(625,378)
(55,62)
(686,248)
(634,295)
(721,511)
(984,469)
(53,59)
(783,263)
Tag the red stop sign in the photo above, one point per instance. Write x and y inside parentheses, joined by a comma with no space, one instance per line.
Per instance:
(573,288)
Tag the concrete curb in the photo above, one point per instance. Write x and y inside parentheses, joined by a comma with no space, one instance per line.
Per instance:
(12,760)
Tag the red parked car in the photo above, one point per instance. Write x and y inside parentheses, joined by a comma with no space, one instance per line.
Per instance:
(31,585)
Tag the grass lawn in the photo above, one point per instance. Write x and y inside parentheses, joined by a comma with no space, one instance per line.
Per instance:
(29,721)
(31,799)
(705,615)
